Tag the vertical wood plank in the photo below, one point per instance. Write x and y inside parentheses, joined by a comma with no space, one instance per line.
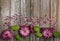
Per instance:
(5,9)
(45,14)
(25,12)
(15,11)
(52,14)
(36,13)
(32,36)
(57,17)
(12,13)
(22,11)
(44,11)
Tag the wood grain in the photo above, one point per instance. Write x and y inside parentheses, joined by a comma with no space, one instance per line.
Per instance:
(30,8)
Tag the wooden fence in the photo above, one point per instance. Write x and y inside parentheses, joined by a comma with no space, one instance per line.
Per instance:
(30,8)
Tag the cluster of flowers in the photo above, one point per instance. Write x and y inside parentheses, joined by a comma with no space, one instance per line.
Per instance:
(29,28)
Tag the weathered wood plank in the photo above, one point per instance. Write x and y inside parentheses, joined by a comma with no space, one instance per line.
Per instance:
(44,12)
(5,6)
(5,9)
(25,12)
(32,37)
(15,10)
(53,12)
(36,13)
(57,17)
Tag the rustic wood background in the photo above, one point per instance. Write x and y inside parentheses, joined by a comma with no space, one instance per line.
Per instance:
(29,8)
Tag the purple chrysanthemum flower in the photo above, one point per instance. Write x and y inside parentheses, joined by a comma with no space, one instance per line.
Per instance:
(47,32)
(7,35)
(24,31)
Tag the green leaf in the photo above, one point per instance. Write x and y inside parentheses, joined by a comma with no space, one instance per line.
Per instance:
(36,29)
(56,34)
(15,27)
(38,34)
(18,37)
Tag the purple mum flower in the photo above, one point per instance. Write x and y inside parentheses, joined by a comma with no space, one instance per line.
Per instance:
(24,31)
(7,35)
(47,32)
